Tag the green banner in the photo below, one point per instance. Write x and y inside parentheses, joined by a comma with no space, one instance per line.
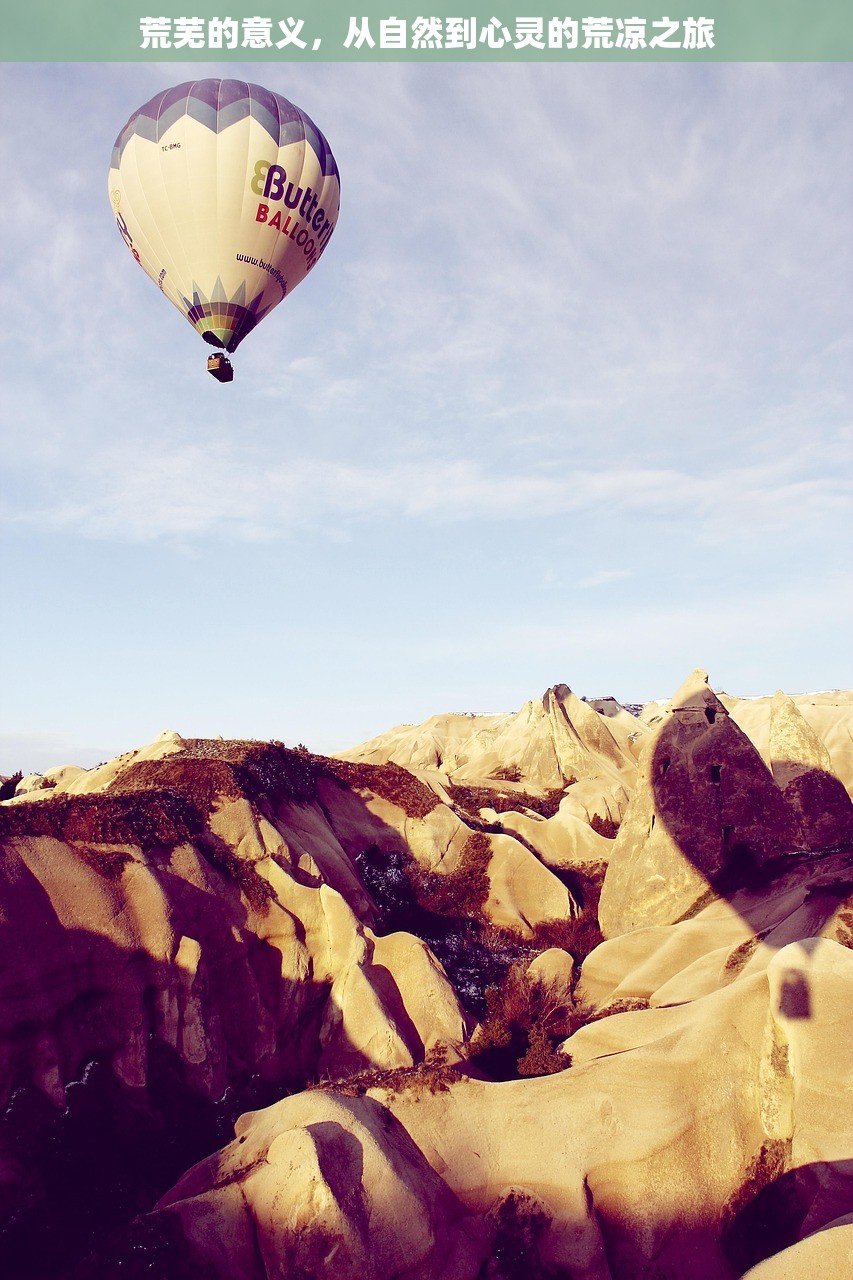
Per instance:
(416,30)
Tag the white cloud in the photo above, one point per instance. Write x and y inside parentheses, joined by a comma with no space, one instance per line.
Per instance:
(138,492)
(603,578)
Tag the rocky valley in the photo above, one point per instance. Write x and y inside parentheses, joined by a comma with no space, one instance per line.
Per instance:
(562,995)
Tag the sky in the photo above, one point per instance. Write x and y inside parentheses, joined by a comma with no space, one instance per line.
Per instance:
(567,399)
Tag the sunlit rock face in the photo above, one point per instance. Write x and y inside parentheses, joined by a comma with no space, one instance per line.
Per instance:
(203,934)
(802,768)
(186,932)
(705,813)
(650,1155)
(552,740)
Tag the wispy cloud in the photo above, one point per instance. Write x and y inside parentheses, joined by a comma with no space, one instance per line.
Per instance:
(138,493)
(603,578)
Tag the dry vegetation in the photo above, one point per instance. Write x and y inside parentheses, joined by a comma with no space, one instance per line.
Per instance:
(526,1019)
(624,1004)
(390,781)
(521,1225)
(109,863)
(461,892)
(507,773)
(207,769)
(604,827)
(523,1020)
(472,799)
(740,957)
(161,819)
(433,1075)
(8,785)
(158,805)
(844,927)
(763,1215)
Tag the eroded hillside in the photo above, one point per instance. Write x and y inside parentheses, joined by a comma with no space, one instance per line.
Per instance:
(391,971)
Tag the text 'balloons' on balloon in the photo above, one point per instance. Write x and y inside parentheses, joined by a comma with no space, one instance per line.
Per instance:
(226,194)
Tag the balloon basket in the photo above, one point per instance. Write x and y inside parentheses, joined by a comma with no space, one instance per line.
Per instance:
(220,367)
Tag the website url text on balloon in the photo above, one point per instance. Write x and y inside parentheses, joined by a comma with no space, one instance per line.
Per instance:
(265,266)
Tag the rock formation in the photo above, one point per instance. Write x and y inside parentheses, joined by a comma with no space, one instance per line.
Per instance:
(705,812)
(640,1159)
(803,770)
(551,741)
(267,1014)
(829,715)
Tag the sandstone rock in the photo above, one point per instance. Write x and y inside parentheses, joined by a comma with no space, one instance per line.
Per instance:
(725,940)
(704,813)
(390,1001)
(562,841)
(551,740)
(802,768)
(230,972)
(828,1252)
(430,1003)
(186,933)
(647,1155)
(439,743)
(315,847)
(99,778)
(555,968)
(33,782)
(522,892)
(61,776)
(596,798)
(342,1191)
(829,715)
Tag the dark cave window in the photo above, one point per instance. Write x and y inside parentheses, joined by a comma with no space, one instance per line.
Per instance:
(715,771)
(710,714)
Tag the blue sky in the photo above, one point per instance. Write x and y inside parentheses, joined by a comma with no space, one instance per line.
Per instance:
(566,399)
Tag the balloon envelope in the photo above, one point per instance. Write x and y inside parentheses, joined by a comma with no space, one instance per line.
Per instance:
(226,194)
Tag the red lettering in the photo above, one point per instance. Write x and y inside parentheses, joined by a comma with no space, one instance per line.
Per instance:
(261,215)
(275,220)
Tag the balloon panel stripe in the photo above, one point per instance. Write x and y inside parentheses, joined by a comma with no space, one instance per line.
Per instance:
(218,104)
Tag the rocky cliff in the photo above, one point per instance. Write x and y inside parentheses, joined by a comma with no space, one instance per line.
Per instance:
(387,971)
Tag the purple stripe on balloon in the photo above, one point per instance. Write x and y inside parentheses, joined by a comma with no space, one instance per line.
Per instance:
(220,103)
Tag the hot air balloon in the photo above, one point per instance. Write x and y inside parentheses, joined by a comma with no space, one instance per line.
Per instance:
(226,194)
